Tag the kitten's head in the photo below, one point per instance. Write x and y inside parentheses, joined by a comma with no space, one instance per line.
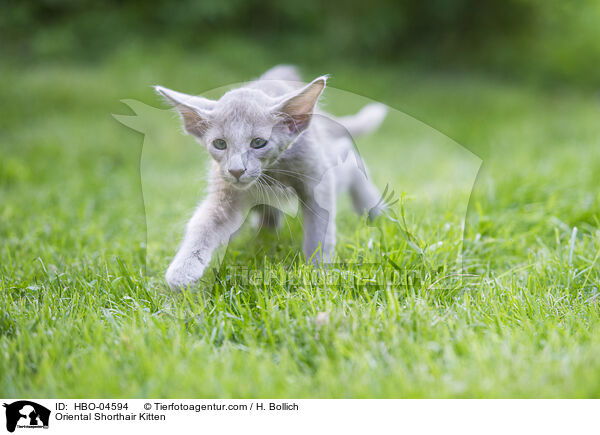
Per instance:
(246,130)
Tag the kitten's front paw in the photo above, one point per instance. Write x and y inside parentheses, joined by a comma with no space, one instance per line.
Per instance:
(183,273)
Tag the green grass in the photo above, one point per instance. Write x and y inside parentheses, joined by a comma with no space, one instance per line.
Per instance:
(82,316)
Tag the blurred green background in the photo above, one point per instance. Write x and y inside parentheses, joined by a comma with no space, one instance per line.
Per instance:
(549,41)
(516,82)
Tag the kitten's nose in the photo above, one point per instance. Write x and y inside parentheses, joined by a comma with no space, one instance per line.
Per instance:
(237,173)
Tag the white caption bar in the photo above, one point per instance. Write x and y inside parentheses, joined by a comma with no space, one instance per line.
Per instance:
(157,416)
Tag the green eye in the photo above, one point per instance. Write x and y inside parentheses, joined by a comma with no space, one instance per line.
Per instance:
(258,142)
(219,144)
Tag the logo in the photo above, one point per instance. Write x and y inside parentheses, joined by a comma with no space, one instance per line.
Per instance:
(423,164)
(26,414)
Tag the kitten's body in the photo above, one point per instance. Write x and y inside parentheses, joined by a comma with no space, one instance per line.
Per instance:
(309,151)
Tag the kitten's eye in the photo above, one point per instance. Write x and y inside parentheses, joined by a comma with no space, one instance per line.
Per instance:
(219,144)
(258,142)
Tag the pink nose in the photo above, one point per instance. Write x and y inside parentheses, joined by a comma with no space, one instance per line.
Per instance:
(237,173)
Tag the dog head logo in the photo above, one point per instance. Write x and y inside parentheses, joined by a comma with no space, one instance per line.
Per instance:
(26,414)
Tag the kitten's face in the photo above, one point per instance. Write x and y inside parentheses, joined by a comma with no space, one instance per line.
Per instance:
(246,130)
(244,136)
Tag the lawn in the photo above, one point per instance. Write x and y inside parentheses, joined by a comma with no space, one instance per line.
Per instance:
(419,308)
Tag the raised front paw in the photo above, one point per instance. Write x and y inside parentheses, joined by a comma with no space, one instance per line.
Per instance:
(184,271)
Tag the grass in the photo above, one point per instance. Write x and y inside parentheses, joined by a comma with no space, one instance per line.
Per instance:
(82,315)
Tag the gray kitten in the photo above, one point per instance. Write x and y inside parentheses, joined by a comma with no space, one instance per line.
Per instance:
(266,139)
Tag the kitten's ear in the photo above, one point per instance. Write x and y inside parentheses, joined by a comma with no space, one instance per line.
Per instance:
(194,110)
(297,109)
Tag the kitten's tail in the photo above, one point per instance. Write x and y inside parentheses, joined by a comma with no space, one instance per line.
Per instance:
(366,120)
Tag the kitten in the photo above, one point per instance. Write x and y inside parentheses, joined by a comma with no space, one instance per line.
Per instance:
(268,137)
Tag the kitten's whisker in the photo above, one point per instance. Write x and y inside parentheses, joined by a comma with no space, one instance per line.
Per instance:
(294,174)
(299,199)
(260,191)
(282,187)
(297,175)
(276,193)
(279,202)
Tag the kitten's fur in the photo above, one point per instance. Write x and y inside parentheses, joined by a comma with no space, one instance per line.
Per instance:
(304,150)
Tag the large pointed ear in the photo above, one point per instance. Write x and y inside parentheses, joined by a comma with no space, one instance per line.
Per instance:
(194,110)
(297,109)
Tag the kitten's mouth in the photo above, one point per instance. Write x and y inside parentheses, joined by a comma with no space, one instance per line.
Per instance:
(242,185)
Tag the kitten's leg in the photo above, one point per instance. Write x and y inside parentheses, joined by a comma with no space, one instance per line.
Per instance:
(319,211)
(212,224)
(365,196)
